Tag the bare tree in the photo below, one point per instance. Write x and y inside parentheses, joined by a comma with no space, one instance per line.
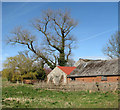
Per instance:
(112,48)
(55,27)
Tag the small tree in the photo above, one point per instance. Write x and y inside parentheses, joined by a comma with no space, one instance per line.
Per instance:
(39,69)
(112,48)
(6,73)
(41,75)
(21,67)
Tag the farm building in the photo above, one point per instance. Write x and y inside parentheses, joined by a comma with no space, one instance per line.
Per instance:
(59,74)
(83,61)
(96,71)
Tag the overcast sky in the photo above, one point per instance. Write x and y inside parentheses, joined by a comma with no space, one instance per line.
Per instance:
(97,22)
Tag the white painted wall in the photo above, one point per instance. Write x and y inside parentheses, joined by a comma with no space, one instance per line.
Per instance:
(56,75)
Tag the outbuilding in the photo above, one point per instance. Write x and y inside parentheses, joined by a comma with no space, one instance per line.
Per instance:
(96,71)
(59,75)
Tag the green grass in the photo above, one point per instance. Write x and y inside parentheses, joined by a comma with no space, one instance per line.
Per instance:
(26,96)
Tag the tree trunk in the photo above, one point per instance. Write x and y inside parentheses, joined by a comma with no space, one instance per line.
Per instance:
(61,60)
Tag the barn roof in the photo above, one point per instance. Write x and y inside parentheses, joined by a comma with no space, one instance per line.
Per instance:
(66,70)
(94,68)
(81,61)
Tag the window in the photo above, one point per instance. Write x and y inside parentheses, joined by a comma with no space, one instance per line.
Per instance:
(73,79)
(103,78)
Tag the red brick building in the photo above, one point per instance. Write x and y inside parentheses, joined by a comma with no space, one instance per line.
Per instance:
(96,71)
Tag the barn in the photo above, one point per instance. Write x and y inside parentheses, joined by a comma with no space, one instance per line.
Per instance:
(59,75)
(84,61)
(96,71)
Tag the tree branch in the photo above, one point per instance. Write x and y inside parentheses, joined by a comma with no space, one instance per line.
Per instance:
(57,32)
(70,49)
(68,31)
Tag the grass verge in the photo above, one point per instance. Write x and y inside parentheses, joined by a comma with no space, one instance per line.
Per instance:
(26,96)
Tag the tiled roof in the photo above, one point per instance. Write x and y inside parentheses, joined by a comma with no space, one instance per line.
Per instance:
(66,70)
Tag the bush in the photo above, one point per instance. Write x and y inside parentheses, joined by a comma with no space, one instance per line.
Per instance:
(41,75)
(30,75)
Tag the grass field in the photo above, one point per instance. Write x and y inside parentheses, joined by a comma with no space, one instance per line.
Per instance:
(26,96)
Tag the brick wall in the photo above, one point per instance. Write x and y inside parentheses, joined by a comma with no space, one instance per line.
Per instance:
(29,81)
(96,79)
